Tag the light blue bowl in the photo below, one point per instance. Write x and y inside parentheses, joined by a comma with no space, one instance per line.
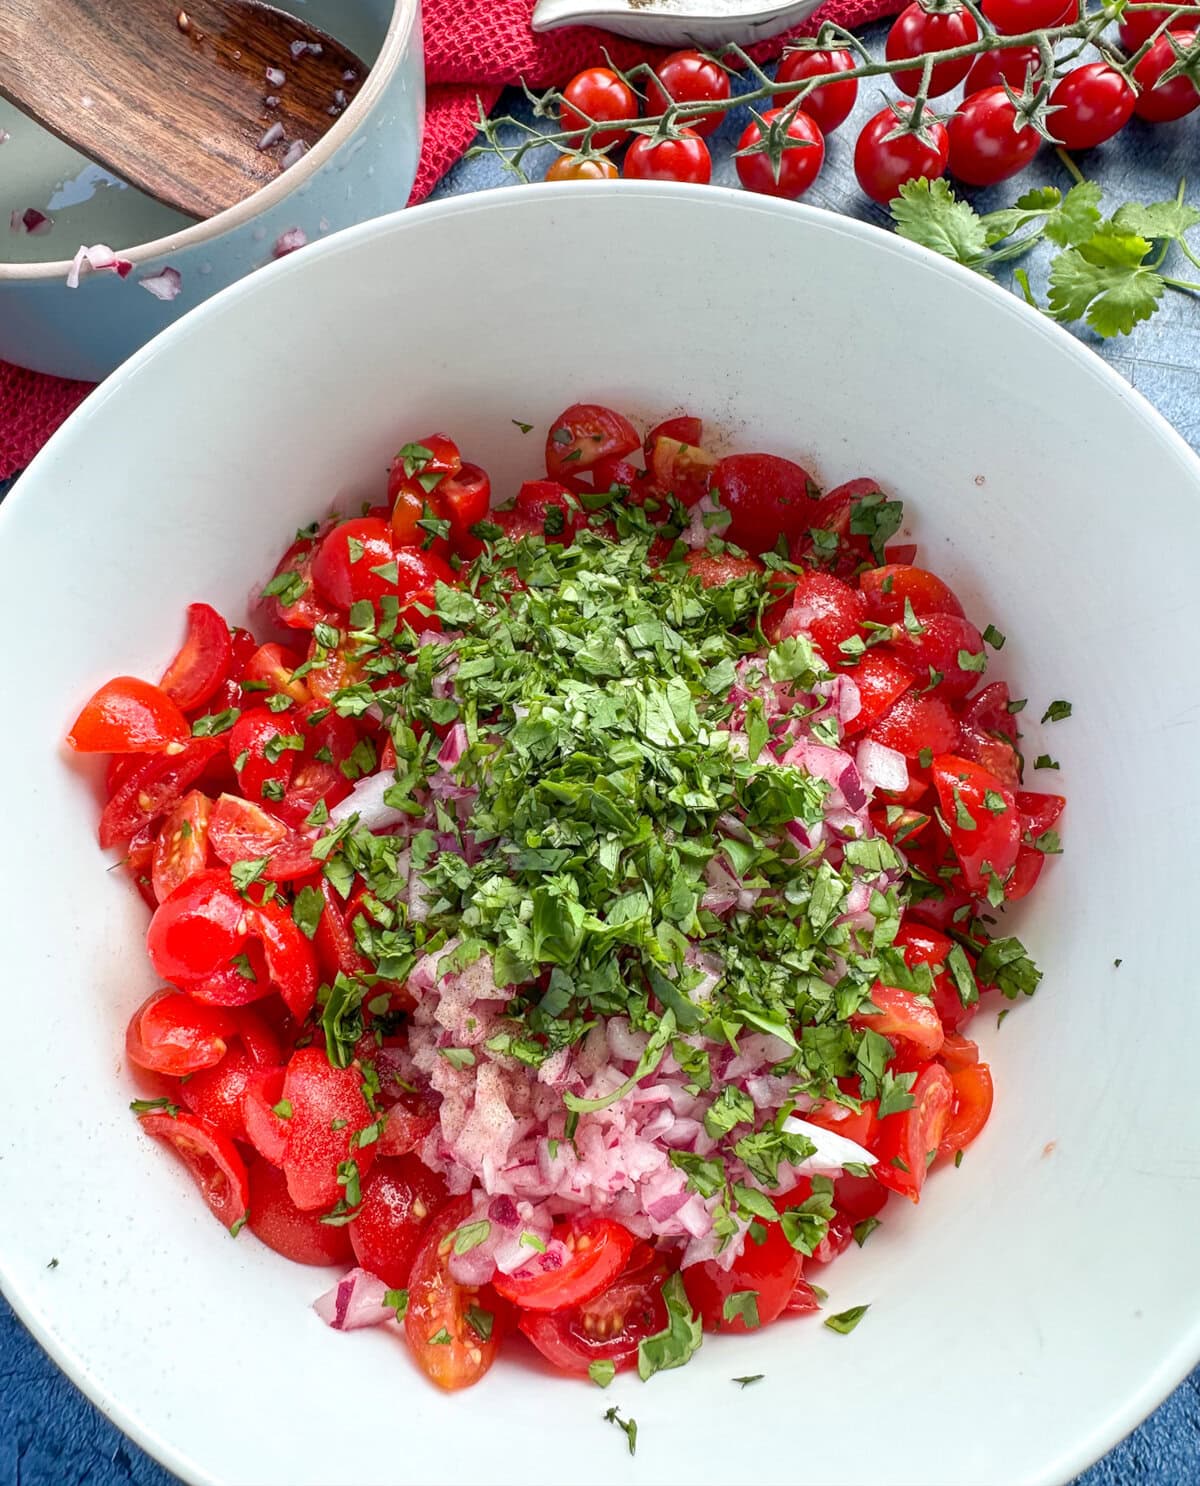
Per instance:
(362,168)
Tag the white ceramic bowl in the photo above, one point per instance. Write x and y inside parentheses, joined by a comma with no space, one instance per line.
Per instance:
(362,167)
(1042,1298)
(704,23)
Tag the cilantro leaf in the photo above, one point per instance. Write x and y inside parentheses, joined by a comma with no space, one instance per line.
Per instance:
(927,212)
(1160,219)
(1104,281)
(742,1304)
(678,1341)
(845,1321)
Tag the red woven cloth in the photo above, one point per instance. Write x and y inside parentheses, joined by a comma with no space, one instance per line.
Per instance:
(473,49)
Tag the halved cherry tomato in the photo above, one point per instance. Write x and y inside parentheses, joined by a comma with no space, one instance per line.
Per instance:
(1025,873)
(215,1094)
(1038,812)
(767,497)
(334,942)
(596,1253)
(909,1139)
(202,663)
(552,506)
(328,1111)
(973,1092)
(677,468)
(266,1131)
(343,564)
(716,569)
(173,1034)
(958,1052)
(211,1159)
(827,610)
(583,434)
(903,1015)
(181,849)
(197,930)
(881,680)
(397,1201)
(129,716)
(290,961)
(836,513)
(769,1270)
(917,721)
(608,1328)
(924,946)
(889,588)
(837,1240)
(981,816)
(859,1197)
(803,1300)
(902,829)
(241,831)
(683,429)
(988,733)
(263,747)
(437,1326)
(282,1226)
(466,497)
(229,694)
(945,651)
(306,608)
(270,669)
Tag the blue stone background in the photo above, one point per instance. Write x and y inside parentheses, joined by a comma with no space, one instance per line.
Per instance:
(50,1435)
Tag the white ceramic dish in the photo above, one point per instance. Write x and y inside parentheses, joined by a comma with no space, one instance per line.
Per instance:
(1044,1297)
(362,167)
(704,23)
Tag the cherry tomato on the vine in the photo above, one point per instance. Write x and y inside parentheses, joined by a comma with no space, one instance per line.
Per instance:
(683,159)
(1012,65)
(596,96)
(799,165)
(986,144)
(1161,103)
(829,105)
(689,77)
(1014,16)
(918,29)
(887,155)
(582,168)
(1137,26)
(1089,106)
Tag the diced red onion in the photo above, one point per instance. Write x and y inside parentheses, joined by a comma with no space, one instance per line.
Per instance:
(271,135)
(851,787)
(287,242)
(454,747)
(882,767)
(294,152)
(624,1042)
(31,222)
(298,48)
(271,100)
(349,76)
(276,76)
(165,284)
(98,259)
(356,1300)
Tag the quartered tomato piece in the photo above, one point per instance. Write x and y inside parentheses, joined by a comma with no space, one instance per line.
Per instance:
(768,1270)
(465,497)
(881,681)
(583,434)
(921,945)
(215,1094)
(678,467)
(211,1158)
(398,1199)
(181,849)
(293,600)
(1039,812)
(202,663)
(902,1015)
(982,817)
(290,961)
(282,1226)
(608,1328)
(243,832)
(552,507)
(829,611)
(858,1127)
(450,1350)
(889,589)
(846,519)
(973,1094)
(328,1111)
(988,733)
(909,1140)
(716,569)
(767,497)
(129,716)
(264,747)
(354,562)
(405,1130)
(197,930)
(266,1131)
(1025,873)
(596,1253)
(918,721)
(172,1033)
(270,671)
(334,941)
(944,651)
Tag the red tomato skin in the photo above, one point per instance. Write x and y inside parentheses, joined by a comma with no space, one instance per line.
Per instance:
(881,680)
(266,1131)
(1163,103)
(467,496)
(274,664)
(581,436)
(1094,102)
(921,945)
(289,956)
(1039,812)
(1138,26)
(197,930)
(211,1158)
(714,569)
(916,30)
(539,498)
(203,661)
(215,1094)
(172,1034)
(597,95)
(827,610)
(771,1269)
(995,837)
(887,589)
(127,715)
(942,640)
(973,1096)
(685,158)
(340,577)
(993,69)
(883,165)
(798,167)
(918,720)
(319,1095)
(985,147)
(689,77)
(276,1221)
(683,429)
(436,1302)
(680,469)
(398,1200)
(830,105)
(911,1135)
(766,496)
(251,742)
(903,1015)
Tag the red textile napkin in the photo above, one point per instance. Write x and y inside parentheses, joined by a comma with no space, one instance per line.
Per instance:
(473,49)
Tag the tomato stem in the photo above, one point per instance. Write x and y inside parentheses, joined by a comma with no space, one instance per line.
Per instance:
(1072,169)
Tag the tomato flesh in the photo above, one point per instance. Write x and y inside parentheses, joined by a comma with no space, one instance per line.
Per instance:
(596,1253)
(129,716)
(181,849)
(172,1033)
(910,1138)
(437,1325)
(769,1270)
(608,1328)
(281,1225)
(202,663)
(211,1158)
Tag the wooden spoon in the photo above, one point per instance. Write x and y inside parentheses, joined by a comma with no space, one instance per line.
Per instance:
(182,98)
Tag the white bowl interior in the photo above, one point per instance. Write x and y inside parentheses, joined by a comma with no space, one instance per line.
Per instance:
(1044,1296)
(89,204)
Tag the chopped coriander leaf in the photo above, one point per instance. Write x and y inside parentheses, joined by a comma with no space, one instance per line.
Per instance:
(743,1305)
(1056,712)
(397,1300)
(1117,964)
(154,1106)
(283,1109)
(613,1416)
(753,1377)
(681,1337)
(864,1229)
(958,1158)
(524,427)
(925,757)
(1044,761)
(306,910)
(602,1372)
(845,1321)
(1018,704)
(440,1338)
(480,1321)
(213,723)
(993,637)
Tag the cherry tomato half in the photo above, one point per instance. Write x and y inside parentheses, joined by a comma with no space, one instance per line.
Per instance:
(129,716)
(909,1139)
(398,1199)
(437,1326)
(202,663)
(211,1158)
(596,1252)
(172,1033)
(608,1328)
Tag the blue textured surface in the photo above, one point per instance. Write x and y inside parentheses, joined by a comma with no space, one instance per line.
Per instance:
(51,1436)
